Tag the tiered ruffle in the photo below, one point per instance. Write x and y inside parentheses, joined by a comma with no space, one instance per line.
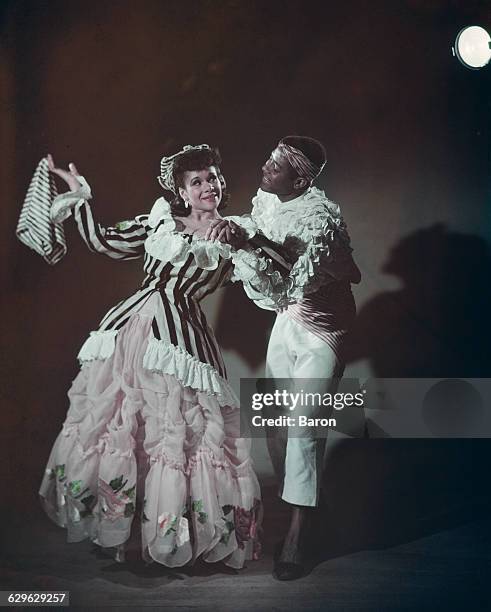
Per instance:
(135,439)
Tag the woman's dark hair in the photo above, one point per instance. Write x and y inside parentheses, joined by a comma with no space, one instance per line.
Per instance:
(195,160)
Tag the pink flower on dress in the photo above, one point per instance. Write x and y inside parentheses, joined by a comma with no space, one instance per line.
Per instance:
(165,520)
(258,550)
(113,503)
(243,520)
(246,524)
(167,523)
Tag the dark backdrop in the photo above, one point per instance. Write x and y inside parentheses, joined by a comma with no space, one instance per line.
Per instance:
(114,85)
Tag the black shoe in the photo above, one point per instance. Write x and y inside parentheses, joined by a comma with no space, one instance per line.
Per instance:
(286,570)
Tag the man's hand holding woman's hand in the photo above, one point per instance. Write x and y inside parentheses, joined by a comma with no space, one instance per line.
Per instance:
(227,231)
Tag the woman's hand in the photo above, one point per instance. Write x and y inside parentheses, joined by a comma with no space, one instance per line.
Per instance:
(227,231)
(69,176)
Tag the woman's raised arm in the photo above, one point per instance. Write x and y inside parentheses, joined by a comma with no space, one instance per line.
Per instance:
(123,241)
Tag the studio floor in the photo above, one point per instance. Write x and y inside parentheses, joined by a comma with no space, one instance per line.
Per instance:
(449,568)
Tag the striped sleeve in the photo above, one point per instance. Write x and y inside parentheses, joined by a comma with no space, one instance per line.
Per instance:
(123,241)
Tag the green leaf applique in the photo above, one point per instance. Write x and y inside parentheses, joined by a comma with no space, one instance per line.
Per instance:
(117,483)
(129,509)
(130,492)
(122,225)
(75,487)
(197,506)
(89,503)
(172,526)
(229,526)
(60,471)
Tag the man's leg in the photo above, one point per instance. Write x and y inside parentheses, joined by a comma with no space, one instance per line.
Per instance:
(318,366)
(313,359)
(279,364)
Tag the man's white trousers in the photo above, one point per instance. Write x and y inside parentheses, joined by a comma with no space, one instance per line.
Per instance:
(296,353)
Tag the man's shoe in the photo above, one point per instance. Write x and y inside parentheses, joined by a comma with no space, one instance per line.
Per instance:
(286,570)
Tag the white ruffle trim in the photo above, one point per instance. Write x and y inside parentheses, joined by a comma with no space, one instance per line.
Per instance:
(174,248)
(99,345)
(308,272)
(164,358)
(166,244)
(312,229)
(246,223)
(261,281)
(64,203)
(312,215)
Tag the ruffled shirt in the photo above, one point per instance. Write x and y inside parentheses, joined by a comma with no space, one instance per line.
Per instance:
(311,234)
(312,231)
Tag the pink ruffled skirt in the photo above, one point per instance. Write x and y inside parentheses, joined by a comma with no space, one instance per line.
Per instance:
(139,442)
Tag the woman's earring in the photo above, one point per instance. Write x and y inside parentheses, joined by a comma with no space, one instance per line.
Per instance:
(186,204)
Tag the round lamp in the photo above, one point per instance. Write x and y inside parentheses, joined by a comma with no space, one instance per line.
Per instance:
(473,47)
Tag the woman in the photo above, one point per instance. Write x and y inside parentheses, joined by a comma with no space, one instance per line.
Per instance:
(152,418)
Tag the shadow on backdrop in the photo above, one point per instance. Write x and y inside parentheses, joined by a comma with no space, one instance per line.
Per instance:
(437,324)
(383,492)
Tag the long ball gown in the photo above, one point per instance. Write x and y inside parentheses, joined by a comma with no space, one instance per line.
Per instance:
(153,427)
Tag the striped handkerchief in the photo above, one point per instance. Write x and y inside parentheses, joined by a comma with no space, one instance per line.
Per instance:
(35,228)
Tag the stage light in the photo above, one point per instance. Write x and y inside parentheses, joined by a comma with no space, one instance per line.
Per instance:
(473,47)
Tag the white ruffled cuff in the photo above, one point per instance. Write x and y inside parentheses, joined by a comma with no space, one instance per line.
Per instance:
(246,223)
(173,247)
(308,274)
(64,203)
(166,244)
(262,283)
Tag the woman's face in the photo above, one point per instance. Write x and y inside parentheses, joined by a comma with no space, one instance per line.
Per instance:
(202,189)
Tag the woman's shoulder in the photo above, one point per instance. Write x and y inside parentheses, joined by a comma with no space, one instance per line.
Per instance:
(167,242)
(161,216)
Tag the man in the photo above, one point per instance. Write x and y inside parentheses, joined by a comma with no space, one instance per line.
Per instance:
(307,337)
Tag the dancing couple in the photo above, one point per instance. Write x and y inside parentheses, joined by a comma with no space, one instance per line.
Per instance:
(153,426)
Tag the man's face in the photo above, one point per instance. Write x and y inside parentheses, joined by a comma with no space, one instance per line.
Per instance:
(278,175)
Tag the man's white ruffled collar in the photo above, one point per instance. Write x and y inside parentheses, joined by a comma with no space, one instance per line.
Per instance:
(312,213)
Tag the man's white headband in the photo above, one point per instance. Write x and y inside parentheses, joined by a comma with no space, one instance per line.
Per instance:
(166,178)
(300,162)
